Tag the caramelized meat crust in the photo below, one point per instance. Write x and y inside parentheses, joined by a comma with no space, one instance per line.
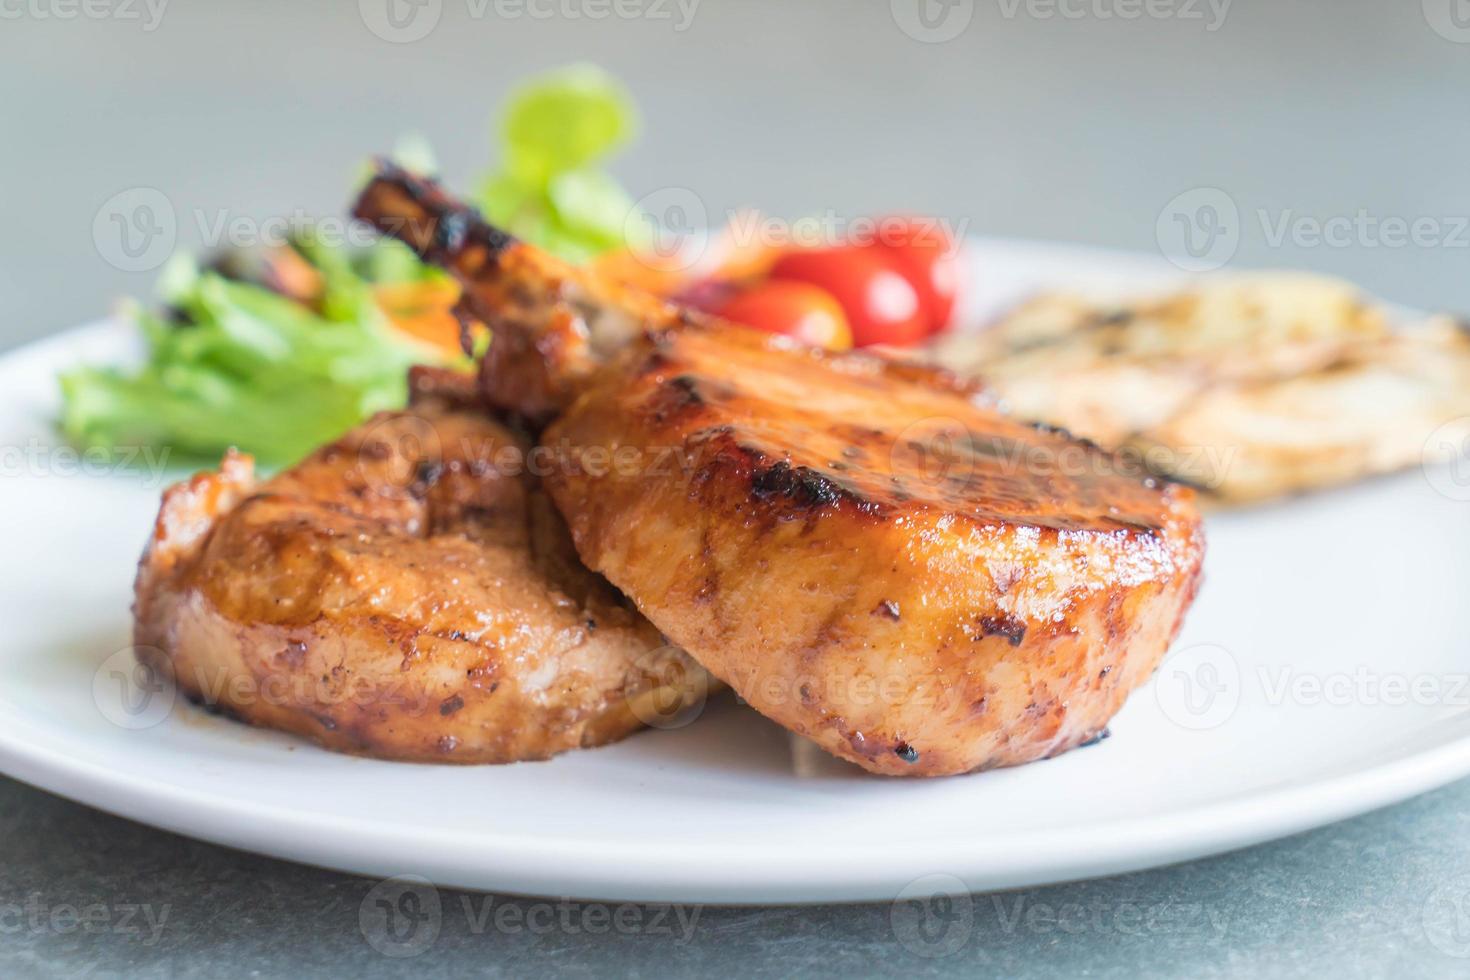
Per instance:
(406,593)
(919,584)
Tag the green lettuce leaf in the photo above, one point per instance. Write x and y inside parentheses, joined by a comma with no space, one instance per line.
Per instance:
(549,191)
(239,365)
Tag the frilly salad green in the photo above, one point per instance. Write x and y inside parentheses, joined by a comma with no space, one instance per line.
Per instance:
(276,354)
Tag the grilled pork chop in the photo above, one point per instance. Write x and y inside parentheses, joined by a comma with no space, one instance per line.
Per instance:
(403,593)
(865,551)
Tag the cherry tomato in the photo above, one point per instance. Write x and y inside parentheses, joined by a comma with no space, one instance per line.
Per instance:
(882,307)
(925,254)
(799,310)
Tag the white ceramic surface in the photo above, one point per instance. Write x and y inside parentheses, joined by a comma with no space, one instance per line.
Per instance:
(1321,673)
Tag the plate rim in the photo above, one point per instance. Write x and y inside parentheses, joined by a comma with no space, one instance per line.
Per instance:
(526,865)
(663,872)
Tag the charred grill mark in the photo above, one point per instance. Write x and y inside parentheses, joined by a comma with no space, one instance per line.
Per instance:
(686,393)
(451,232)
(802,486)
(688,386)
(1046,428)
(888,609)
(426,473)
(678,397)
(906,752)
(450,705)
(1013,630)
(433,224)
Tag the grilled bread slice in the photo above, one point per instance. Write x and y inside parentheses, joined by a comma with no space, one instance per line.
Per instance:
(1250,387)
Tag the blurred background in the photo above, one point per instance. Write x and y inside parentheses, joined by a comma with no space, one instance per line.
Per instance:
(1319,134)
(1084,120)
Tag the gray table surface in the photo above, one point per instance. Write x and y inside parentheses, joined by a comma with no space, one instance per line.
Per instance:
(1073,120)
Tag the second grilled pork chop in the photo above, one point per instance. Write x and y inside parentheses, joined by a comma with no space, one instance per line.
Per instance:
(864,551)
(406,592)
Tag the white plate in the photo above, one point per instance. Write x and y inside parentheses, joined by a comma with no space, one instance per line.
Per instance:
(1280,709)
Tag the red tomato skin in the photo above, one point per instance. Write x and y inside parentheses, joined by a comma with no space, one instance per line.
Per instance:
(926,255)
(796,309)
(882,306)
